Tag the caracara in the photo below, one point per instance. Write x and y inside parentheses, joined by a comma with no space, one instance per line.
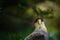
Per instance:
(40,32)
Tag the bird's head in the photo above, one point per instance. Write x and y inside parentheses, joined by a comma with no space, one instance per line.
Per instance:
(38,20)
(38,23)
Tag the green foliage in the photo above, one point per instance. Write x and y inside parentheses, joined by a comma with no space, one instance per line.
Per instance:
(42,13)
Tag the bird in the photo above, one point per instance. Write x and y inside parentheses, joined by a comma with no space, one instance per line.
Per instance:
(40,31)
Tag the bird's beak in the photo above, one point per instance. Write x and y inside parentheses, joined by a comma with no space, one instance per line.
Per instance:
(39,21)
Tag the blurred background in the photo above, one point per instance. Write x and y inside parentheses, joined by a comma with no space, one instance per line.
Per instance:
(17,17)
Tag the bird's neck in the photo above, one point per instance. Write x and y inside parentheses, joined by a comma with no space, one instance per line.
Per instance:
(40,26)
